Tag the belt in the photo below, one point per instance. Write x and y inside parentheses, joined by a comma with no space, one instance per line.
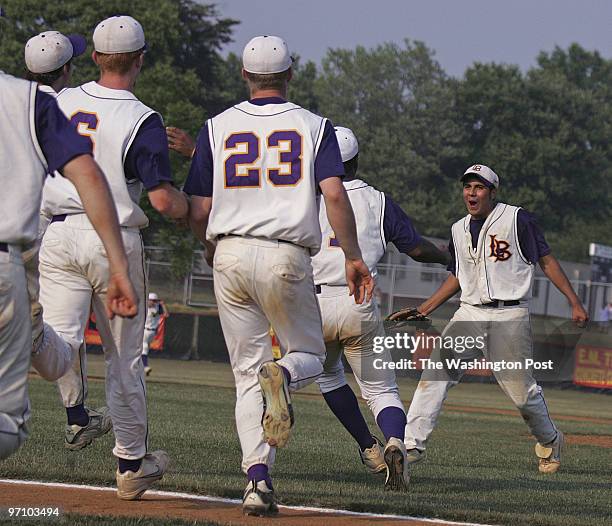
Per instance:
(500,303)
(58,218)
(318,289)
(4,247)
(221,236)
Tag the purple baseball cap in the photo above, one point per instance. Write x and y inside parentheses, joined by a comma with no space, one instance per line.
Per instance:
(50,50)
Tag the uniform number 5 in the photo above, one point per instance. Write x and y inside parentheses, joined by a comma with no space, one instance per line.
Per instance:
(243,169)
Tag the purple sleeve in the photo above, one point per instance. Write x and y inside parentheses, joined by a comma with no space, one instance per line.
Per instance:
(148,159)
(398,227)
(530,237)
(200,179)
(58,139)
(328,162)
(452,267)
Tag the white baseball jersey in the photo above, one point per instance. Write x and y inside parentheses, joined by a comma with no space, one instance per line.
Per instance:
(496,269)
(23,166)
(266,156)
(111,118)
(154,317)
(369,208)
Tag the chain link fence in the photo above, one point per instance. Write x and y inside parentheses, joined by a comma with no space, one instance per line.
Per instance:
(398,285)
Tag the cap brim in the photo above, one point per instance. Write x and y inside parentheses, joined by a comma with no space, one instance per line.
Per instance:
(79,44)
(484,181)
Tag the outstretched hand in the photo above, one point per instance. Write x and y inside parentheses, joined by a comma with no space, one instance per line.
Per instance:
(359,280)
(180,141)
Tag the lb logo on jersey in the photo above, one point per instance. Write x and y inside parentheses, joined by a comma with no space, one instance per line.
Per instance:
(499,249)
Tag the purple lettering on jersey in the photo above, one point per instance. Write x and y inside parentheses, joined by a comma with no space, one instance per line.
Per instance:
(244,160)
(289,143)
(86,123)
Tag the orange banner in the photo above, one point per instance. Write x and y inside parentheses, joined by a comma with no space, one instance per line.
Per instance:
(92,336)
(593,366)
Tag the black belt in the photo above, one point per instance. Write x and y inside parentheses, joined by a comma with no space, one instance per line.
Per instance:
(59,217)
(501,303)
(318,289)
(221,236)
(3,247)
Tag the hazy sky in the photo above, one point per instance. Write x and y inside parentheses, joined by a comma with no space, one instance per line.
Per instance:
(459,31)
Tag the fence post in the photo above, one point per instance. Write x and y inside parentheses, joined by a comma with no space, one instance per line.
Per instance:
(193,351)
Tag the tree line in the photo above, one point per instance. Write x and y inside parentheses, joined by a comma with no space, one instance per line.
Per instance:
(547,131)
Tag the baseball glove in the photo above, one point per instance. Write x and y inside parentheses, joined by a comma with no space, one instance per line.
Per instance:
(409,316)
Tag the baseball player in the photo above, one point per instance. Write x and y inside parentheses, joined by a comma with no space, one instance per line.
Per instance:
(494,250)
(48,57)
(253,180)
(351,329)
(129,142)
(35,139)
(156,312)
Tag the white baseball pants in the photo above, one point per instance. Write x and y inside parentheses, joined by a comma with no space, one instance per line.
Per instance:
(259,283)
(53,357)
(15,350)
(508,337)
(351,328)
(149,336)
(73,279)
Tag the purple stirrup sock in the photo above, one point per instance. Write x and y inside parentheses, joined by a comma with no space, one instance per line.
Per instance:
(392,422)
(344,405)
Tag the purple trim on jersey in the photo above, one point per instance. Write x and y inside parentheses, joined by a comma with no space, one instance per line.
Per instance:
(200,179)
(398,227)
(328,162)
(530,236)
(148,159)
(262,101)
(58,138)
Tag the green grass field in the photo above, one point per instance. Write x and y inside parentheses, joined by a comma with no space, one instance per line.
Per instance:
(480,466)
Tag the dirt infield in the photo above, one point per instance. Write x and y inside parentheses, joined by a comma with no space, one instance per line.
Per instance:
(91,501)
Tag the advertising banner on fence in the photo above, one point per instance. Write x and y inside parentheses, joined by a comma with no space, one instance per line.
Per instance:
(92,336)
(593,367)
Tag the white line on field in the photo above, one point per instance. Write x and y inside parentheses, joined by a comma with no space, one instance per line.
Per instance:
(221,500)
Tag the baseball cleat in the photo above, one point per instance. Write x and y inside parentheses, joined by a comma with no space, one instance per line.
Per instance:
(550,454)
(78,437)
(277,418)
(373,458)
(131,485)
(414,456)
(259,500)
(147,370)
(397,466)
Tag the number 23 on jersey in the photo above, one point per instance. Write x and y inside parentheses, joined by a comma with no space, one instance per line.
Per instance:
(282,150)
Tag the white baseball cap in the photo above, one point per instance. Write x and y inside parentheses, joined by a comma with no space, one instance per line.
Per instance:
(118,34)
(50,50)
(483,172)
(265,55)
(153,296)
(349,147)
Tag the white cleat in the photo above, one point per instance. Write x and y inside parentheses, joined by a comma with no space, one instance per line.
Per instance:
(131,486)
(373,458)
(550,455)
(277,418)
(259,500)
(397,466)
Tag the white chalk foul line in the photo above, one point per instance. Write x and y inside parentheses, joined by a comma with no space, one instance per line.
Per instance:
(222,500)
